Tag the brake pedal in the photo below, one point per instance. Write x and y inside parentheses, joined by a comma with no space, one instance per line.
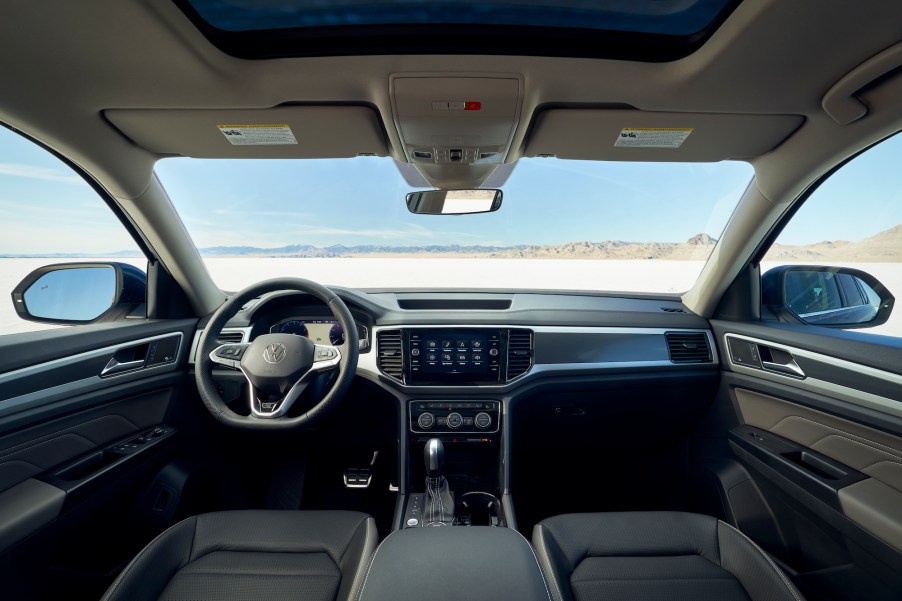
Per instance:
(360,477)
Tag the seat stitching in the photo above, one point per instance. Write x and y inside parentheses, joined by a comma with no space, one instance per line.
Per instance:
(550,569)
(118,582)
(653,579)
(770,561)
(538,565)
(230,571)
(370,566)
(354,583)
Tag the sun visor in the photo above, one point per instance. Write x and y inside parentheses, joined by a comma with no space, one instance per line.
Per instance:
(283,132)
(632,135)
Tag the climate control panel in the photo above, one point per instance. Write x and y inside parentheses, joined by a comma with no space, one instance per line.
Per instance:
(454,417)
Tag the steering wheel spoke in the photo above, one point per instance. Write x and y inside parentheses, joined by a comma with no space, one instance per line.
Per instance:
(229,355)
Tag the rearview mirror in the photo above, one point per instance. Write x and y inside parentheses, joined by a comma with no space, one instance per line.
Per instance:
(835,297)
(71,293)
(453,202)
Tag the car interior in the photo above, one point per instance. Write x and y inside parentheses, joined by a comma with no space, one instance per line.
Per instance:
(175,438)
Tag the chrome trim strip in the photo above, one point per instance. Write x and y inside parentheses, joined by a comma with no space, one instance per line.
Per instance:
(368,364)
(845,393)
(85,356)
(94,382)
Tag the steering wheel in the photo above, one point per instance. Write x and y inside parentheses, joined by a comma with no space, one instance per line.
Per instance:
(277,367)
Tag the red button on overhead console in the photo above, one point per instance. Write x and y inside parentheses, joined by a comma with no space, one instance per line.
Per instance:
(472,106)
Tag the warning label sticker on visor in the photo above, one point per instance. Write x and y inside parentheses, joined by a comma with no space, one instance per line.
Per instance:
(652,137)
(258,135)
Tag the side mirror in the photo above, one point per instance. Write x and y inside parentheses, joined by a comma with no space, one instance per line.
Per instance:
(72,293)
(834,297)
(453,202)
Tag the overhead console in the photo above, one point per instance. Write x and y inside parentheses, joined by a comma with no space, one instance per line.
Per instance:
(455,356)
(456,130)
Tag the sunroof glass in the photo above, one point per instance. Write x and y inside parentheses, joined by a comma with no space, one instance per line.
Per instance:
(663,17)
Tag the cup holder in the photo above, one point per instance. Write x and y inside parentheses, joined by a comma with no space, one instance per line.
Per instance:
(478,508)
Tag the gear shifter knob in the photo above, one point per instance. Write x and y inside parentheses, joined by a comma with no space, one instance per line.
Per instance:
(434,457)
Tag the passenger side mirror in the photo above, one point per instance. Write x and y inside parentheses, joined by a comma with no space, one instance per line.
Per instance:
(72,293)
(834,297)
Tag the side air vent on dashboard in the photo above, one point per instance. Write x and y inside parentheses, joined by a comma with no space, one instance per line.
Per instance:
(519,353)
(390,359)
(688,347)
(231,337)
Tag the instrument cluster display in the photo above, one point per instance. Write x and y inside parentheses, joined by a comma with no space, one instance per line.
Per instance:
(320,331)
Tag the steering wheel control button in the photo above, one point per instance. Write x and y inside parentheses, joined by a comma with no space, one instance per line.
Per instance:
(483,420)
(455,420)
(325,353)
(426,420)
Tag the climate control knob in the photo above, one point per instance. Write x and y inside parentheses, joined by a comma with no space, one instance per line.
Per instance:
(426,420)
(482,420)
(455,420)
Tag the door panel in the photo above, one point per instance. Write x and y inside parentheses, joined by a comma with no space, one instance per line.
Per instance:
(83,431)
(823,441)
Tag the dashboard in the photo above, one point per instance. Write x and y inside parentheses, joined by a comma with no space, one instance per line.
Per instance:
(431,342)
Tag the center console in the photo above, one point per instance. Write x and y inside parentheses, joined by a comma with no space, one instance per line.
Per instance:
(454,463)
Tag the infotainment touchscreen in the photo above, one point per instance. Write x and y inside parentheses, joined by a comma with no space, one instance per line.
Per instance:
(453,355)
(449,352)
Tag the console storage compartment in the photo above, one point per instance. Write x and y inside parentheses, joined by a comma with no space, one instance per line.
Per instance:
(441,564)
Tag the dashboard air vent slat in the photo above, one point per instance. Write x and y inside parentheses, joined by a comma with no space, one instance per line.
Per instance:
(231,337)
(390,358)
(688,347)
(519,353)
(672,310)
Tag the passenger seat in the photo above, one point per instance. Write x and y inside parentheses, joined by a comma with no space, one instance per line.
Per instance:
(657,556)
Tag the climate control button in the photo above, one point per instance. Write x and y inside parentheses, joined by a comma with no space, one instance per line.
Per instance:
(426,420)
(482,420)
(455,420)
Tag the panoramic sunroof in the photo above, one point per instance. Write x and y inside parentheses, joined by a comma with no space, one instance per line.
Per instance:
(655,30)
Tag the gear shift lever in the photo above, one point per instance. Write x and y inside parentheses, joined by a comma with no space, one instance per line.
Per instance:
(439,500)
(434,457)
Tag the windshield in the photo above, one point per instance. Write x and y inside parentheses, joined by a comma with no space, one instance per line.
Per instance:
(563,225)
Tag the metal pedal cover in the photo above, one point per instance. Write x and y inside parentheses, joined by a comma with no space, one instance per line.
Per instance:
(358,477)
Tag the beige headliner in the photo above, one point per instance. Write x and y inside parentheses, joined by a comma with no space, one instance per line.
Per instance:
(67,64)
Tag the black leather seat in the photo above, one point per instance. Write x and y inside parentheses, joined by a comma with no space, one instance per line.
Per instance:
(662,556)
(253,555)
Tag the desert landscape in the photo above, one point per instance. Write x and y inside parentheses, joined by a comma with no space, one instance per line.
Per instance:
(606,265)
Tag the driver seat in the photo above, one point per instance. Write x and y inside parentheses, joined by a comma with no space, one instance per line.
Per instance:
(253,556)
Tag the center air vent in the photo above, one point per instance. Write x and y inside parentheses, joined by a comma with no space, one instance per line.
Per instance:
(688,347)
(390,361)
(231,337)
(519,353)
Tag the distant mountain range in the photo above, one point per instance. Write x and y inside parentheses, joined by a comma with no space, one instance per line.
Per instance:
(883,247)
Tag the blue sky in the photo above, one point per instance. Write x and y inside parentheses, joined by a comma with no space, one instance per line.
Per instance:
(43,208)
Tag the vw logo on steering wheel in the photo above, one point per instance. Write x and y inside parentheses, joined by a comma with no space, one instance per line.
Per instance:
(274,353)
